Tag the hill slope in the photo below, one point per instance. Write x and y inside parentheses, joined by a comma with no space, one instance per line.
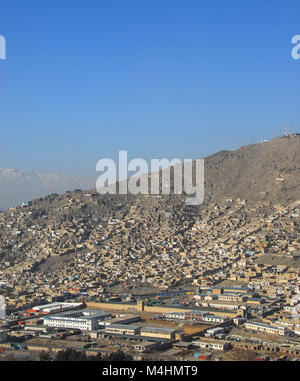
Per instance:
(117,237)
(261,171)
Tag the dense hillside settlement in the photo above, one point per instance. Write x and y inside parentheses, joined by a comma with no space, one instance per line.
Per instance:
(155,277)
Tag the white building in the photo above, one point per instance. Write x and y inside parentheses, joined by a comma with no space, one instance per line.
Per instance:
(214,331)
(175,315)
(55,307)
(123,319)
(214,318)
(83,320)
(218,345)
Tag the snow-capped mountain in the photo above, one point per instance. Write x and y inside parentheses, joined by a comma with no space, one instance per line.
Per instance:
(18,186)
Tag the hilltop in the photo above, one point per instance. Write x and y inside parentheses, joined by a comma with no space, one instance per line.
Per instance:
(263,171)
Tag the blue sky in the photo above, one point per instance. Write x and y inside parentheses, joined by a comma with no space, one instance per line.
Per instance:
(159,78)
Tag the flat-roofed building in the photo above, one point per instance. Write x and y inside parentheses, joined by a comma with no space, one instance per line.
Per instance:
(256,326)
(125,319)
(219,345)
(254,301)
(83,320)
(147,346)
(232,297)
(215,319)
(175,315)
(236,290)
(225,305)
(162,333)
(55,307)
(183,345)
(123,329)
(214,331)
(195,315)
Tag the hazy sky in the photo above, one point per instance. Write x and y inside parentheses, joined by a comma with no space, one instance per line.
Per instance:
(159,78)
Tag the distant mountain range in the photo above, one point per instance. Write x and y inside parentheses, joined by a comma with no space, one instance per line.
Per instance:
(21,186)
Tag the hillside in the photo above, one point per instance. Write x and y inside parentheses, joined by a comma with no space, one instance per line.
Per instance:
(265,171)
(253,172)
(159,239)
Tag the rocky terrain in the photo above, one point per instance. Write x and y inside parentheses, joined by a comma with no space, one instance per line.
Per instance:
(264,171)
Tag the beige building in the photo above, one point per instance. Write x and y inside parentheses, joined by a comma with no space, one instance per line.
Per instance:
(255,326)
(161,333)
(123,329)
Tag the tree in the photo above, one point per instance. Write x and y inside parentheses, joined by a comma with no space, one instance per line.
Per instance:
(70,355)
(118,356)
(97,357)
(44,356)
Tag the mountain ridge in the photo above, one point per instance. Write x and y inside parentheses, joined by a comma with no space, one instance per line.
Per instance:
(263,171)
(269,170)
(17,186)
